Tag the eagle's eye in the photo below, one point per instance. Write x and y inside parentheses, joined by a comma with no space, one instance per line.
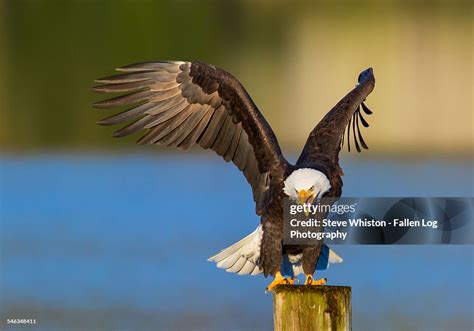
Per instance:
(311,188)
(297,191)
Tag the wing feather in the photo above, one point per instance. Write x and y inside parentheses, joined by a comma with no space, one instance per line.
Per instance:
(124,100)
(169,113)
(128,78)
(325,139)
(169,126)
(126,87)
(186,103)
(241,153)
(160,95)
(164,105)
(324,142)
(176,125)
(197,113)
(224,138)
(126,115)
(198,130)
(133,127)
(209,137)
(229,154)
(170,66)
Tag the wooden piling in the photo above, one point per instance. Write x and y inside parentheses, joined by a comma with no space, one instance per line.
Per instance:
(308,308)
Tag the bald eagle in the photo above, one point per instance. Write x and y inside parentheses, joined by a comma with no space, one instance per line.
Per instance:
(182,104)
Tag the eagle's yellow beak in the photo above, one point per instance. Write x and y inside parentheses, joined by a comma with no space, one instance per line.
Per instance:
(305,197)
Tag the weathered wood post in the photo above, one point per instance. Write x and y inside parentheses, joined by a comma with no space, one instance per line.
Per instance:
(308,308)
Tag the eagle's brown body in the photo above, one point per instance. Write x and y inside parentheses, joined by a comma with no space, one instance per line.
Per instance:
(186,103)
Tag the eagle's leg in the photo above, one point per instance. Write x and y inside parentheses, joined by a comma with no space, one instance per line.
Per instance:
(311,281)
(271,253)
(310,258)
(279,280)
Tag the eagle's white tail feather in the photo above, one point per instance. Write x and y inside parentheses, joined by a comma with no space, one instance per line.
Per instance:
(226,252)
(229,261)
(334,258)
(247,269)
(241,257)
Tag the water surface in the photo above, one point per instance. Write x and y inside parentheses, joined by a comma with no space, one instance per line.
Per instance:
(120,242)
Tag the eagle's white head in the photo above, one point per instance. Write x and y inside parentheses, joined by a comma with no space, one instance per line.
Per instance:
(305,185)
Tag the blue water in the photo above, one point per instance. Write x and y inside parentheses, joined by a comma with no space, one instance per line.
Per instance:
(94,241)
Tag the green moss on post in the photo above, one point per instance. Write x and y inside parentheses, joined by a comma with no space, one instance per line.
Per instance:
(307,308)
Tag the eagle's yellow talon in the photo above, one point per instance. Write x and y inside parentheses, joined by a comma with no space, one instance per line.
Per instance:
(279,280)
(310,281)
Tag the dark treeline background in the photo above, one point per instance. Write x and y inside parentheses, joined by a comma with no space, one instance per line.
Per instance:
(296,59)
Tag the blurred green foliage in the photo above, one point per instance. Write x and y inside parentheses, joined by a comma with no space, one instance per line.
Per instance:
(51,51)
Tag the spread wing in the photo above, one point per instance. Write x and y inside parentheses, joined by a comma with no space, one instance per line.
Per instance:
(325,141)
(186,103)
